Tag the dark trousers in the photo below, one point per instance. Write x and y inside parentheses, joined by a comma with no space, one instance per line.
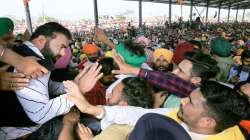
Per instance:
(51,129)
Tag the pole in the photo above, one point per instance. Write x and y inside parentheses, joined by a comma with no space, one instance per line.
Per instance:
(219,14)
(96,13)
(228,14)
(170,12)
(236,18)
(140,13)
(207,11)
(191,11)
(243,15)
(28,18)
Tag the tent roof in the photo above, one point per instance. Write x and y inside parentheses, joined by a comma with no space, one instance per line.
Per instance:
(225,4)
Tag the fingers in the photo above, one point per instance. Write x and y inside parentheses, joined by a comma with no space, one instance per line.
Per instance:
(84,129)
(83,72)
(17,75)
(99,76)
(117,58)
(4,68)
(69,85)
(17,86)
(117,72)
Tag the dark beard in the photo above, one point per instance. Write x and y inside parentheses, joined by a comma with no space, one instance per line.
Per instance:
(180,114)
(160,68)
(47,52)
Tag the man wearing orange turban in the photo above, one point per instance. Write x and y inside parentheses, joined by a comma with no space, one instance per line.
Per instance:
(93,54)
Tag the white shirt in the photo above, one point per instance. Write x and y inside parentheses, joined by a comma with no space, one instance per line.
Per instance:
(130,115)
(36,102)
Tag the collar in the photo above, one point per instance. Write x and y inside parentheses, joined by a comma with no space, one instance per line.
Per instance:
(33,48)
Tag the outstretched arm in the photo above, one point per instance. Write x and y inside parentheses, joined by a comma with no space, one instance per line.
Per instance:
(26,65)
(100,36)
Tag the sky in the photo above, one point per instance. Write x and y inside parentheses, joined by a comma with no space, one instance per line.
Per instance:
(83,9)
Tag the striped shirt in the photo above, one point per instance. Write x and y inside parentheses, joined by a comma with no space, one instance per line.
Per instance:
(36,102)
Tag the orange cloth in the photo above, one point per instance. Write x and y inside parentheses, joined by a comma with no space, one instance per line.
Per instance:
(90,49)
(246,125)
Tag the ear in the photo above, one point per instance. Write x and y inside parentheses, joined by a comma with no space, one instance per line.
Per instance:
(41,40)
(207,123)
(195,80)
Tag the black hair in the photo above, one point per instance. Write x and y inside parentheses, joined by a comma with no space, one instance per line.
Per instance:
(245,54)
(225,105)
(108,65)
(202,65)
(133,47)
(137,92)
(49,29)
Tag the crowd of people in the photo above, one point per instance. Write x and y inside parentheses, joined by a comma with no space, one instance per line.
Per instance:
(178,81)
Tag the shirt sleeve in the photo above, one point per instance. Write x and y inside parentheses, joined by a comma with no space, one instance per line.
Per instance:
(168,81)
(36,102)
(56,88)
(127,114)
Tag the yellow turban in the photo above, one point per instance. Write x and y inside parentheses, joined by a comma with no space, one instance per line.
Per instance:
(167,54)
(108,54)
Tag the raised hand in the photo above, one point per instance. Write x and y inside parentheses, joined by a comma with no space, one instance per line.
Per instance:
(124,67)
(30,67)
(74,94)
(84,132)
(89,79)
(12,80)
(100,35)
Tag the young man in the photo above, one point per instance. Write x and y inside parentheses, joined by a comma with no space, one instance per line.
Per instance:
(210,112)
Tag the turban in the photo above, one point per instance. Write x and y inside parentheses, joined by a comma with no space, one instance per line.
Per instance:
(221,47)
(90,49)
(129,57)
(143,41)
(6,26)
(180,51)
(167,54)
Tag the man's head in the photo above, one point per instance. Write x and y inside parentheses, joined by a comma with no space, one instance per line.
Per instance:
(162,59)
(91,51)
(213,108)
(6,31)
(132,53)
(132,91)
(220,47)
(245,58)
(108,65)
(197,67)
(52,39)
